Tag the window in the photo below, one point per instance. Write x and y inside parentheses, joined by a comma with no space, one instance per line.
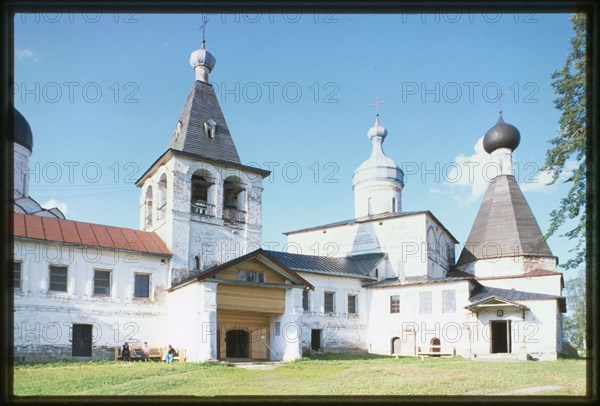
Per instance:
(200,195)
(148,207)
(251,276)
(17,275)
(425,302)
(351,304)
(448,301)
(101,283)
(277,328)
(141,286)
(395,304)
(230,195)
(305,303)
(162,197)
(329,302)
(58,278)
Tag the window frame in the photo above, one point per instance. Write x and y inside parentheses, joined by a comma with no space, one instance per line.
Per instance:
(18,286)
(394,304)
(355,304)
(325,293)
(66,268)
(422,296)
(109,272)
(149,276)
(306,294)
(444,292)
(256,276)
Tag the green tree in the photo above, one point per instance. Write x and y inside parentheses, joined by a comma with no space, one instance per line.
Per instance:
(569,84)
(574,324)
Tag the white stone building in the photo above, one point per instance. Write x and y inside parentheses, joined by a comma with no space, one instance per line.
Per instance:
(195,275)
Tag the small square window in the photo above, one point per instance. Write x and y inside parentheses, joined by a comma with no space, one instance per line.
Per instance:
(395,304)
(448,301)
(142,286)
(329,302)
(277,328)
(351,304)
(58,278)
(305,302)
(425,302)
(101,283)
(17,275)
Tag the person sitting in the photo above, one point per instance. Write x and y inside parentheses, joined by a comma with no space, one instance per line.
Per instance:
(145,352)
(170,354)
(126,352)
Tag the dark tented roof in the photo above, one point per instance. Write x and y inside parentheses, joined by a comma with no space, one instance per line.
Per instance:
(481,293)
(504,226)
(201,107)
(355,266)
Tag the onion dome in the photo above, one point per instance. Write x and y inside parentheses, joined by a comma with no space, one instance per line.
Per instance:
(378,165)
(22,131)
(377,130)
(502,135)
(201,57)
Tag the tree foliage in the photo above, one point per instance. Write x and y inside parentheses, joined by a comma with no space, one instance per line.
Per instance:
(569,84)
(575,324)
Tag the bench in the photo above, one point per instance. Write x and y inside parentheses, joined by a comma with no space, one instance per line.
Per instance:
(154,353)
(431,352)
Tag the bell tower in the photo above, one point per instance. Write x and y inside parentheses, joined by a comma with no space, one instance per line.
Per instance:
(198,196)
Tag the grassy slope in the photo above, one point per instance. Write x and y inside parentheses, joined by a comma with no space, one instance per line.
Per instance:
(329,375)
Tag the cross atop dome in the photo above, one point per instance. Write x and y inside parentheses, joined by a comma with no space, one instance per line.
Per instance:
(202,61)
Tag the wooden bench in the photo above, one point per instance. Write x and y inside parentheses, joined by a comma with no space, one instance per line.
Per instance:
(441,351)
(154,353)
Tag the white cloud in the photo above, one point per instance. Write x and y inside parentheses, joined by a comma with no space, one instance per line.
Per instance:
(62,206)
(539,183)
(472,173)
(27,54)
(434,190)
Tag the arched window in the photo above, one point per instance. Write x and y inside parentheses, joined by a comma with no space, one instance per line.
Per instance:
(370,206)
(395,345)
(203,191)
(393,205)
(162,197)
(434,345)
(432,246)
(234,200)
(148,207)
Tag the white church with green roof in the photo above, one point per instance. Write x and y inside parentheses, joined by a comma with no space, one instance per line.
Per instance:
(391,286)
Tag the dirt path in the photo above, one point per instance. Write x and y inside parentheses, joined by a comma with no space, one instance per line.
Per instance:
(256,366)
(531,390)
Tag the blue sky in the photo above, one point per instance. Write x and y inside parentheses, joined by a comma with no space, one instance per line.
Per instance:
(103,92)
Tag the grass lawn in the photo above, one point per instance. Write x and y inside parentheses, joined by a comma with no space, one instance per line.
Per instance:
(329,374)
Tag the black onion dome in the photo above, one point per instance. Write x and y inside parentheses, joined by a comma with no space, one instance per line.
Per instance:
(22,131)
(502,135)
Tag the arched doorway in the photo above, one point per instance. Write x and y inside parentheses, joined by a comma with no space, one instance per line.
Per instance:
(237,344)
(395,345)
(435,345)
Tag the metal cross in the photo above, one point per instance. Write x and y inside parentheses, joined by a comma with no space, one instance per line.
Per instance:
(378,101)
(203,26)
(500,96)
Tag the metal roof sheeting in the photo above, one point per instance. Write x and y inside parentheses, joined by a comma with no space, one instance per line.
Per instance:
(355,266)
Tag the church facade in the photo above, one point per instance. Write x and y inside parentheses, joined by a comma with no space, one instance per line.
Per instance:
(195,276)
